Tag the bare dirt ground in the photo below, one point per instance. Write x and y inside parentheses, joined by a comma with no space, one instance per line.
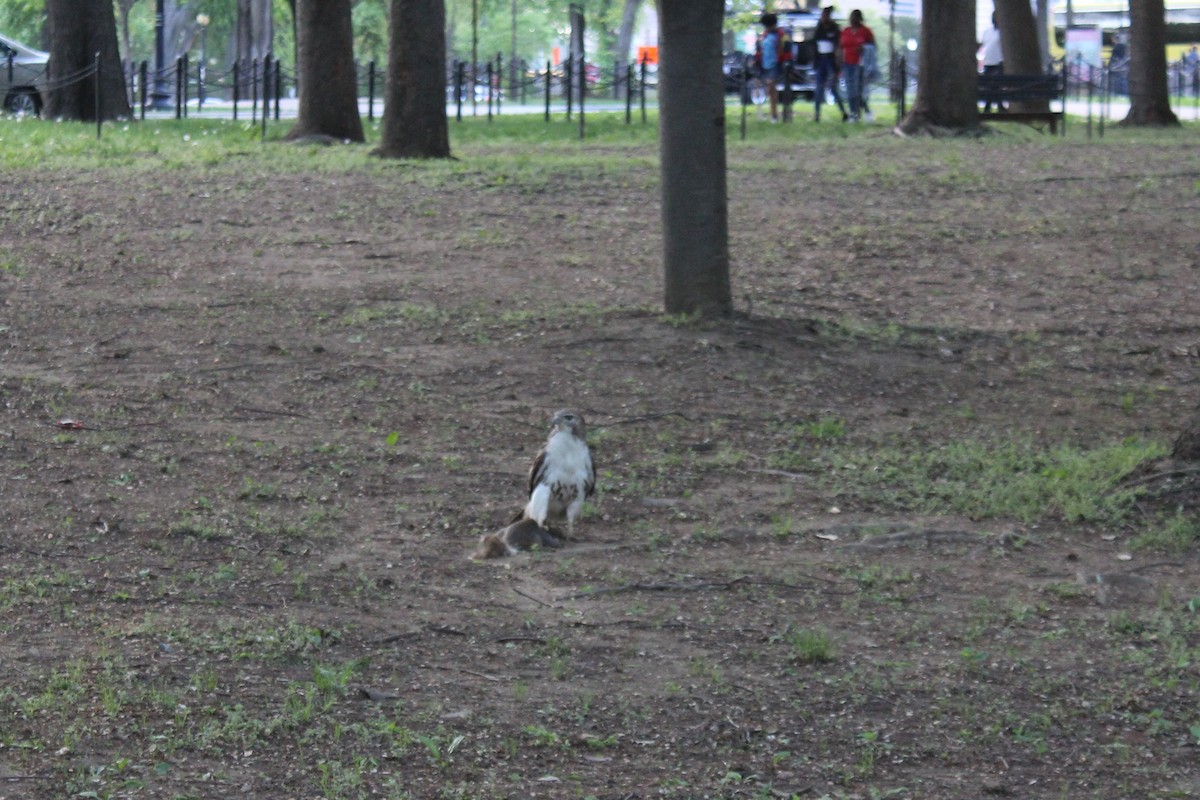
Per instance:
(305,395)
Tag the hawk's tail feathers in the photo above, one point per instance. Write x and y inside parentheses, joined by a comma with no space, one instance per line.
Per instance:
(538,506)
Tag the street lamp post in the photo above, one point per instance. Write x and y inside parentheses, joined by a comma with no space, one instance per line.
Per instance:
(202,21)
(160,97)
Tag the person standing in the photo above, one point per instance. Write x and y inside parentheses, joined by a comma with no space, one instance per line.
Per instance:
(992,56)
(853,38)
(773,50)
(828,39)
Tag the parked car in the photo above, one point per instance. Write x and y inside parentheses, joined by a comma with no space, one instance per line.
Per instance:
(22,76)
(801,26)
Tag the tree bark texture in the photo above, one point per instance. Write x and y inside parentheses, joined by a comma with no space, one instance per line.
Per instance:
(78,29)
(625,32)
(414,110)
(1022,50)
(327,76)
(695,207)
(1149,92)
(578,31)
(946,91)
(1043,31)
(255,30)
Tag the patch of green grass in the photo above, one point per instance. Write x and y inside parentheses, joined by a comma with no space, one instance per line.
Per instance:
(1176,533)
(1020,480)
(811,646)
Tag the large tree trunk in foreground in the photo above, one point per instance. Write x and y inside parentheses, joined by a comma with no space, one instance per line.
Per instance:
(1022,50)
(946,91)
(695,207)
(1149,93)
(78,29)
(327,77)
(414,106)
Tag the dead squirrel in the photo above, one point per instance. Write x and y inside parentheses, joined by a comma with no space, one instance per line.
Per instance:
(521,535)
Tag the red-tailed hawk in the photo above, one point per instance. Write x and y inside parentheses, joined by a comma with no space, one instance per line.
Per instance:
(563,475)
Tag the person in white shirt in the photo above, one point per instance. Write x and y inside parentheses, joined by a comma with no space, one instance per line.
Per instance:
(991,54)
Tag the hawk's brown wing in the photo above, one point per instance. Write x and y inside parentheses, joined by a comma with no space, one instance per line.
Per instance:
(590,487)
(538,470)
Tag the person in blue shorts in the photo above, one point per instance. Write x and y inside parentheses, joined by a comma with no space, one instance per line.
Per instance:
(771,54)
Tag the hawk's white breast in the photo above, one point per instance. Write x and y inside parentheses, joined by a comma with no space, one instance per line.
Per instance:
(563,480)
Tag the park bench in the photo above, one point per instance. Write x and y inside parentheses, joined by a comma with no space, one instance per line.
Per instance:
(1003,90)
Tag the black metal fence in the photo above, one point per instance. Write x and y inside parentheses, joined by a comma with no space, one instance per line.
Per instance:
(256,83)
(253,89)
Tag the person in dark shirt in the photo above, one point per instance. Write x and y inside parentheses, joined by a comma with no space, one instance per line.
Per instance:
(828,38)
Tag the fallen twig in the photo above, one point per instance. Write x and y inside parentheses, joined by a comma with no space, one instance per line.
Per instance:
(531,597)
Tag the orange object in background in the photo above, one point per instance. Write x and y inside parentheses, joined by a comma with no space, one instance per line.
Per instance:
(647,55)
(555,55)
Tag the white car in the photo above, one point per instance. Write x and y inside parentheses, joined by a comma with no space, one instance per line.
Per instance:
(22,76)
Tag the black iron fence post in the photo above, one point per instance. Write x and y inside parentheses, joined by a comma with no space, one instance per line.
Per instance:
(278,87)
(1104,85)
(96,91)
(642,88)
(266,94)
(744,93)
(254,91)
(371,90)
(178,88)
(459,80)
(498,79)
(143,70)
(549,79)
(237,89)
(1091,93)
(788,95)
(629,94)
(489,74)
(568,81)
(1196,91)
(582,91)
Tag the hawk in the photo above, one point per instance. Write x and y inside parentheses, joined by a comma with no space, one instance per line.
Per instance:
(563,475)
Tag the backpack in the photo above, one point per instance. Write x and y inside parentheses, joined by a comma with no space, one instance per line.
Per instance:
(783,47)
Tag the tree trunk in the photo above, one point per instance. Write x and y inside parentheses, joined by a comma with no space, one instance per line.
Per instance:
(255,30)
(625,31)
(78,29)
(414,107)
(327,77)
(179,28)
(945,102)
(123,8)
(1043,31)
(578,31)
(1019,40)
(695,207)
(1149,93)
